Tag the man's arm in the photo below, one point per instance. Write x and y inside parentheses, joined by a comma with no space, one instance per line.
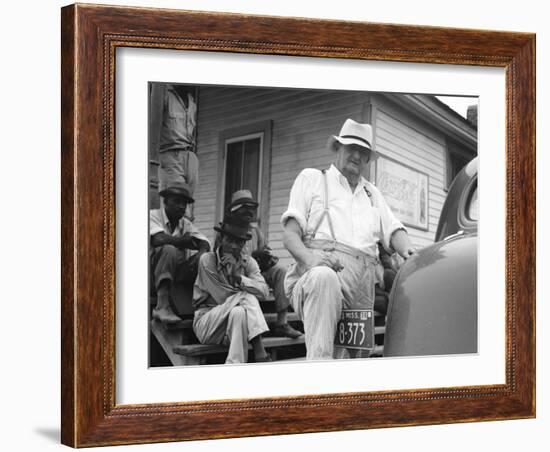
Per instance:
(292,241)
(253,282)
(401,243)
(186,241)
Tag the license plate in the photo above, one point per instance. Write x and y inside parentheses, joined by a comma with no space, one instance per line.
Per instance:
(355,329)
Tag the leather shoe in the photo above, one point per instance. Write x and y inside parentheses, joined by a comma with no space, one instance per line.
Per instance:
(286,330)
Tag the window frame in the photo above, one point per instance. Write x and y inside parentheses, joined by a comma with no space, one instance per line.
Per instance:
(263,130)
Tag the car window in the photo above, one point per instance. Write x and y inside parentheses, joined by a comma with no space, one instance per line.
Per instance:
(472,205)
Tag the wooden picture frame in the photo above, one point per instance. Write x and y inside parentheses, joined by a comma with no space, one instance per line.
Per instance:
(90,37)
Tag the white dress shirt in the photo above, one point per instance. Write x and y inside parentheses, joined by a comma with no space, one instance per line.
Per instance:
(359,221)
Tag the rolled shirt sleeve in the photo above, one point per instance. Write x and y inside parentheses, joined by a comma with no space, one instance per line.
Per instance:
(300,199)
(155,223)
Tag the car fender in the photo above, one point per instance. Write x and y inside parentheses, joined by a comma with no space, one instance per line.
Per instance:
(433,302)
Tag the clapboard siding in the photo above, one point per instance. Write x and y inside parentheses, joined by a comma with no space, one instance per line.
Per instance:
(302,121)
(408,140)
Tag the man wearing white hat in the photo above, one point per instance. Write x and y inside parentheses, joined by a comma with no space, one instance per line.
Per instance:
(334,221)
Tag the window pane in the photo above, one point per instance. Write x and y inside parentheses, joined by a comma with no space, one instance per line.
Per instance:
(473,206)
(251,166)
(233,170)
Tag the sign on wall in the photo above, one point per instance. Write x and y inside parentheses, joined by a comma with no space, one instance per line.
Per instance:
(405,190)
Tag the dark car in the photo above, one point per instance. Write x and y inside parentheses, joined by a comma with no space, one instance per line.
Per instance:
(433,302)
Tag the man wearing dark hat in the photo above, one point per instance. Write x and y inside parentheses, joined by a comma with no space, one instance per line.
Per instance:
(334,221)
(226,293)
(173,237)
(244,206)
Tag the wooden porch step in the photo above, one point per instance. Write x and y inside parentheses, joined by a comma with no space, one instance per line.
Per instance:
(270,318)
(202,349)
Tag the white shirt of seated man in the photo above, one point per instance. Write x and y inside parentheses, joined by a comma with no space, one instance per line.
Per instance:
(359,214)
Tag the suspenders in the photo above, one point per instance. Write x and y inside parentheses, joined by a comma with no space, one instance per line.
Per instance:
(326,212)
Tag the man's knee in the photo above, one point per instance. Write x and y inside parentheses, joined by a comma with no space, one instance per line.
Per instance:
(237,315)
(323,275)
(169,250)
(323,282)
(279,272)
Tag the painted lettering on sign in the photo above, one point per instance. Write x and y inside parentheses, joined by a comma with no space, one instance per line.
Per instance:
(405,190)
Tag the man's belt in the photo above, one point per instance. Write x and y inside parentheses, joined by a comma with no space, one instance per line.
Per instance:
(330,245)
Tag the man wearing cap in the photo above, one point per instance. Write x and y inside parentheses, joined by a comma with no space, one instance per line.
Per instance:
(334,221)
(172,237)
(173,122)
(226,293)
(244,206)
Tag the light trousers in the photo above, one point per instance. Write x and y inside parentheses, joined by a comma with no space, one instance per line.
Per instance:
(178,166)
(233,323)
(319,294)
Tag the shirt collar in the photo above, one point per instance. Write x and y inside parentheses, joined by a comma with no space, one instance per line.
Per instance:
(166,221)
(335,173)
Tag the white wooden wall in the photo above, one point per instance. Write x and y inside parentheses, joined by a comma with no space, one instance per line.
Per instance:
(413,142)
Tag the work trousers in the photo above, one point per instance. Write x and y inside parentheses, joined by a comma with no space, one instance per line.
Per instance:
(178,166)
(171,263)
(233,323)
(275,279)
(319,294)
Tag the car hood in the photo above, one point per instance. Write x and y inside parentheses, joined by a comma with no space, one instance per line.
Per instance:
(433,302)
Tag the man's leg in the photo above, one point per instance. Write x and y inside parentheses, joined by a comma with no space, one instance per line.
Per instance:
(190,164)
(317,297)
(256,325)
(166,260)
(237,321)
(178,166)
(275,278)
(237,335)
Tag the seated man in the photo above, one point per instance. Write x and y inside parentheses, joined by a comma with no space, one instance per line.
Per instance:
(334,221)
(172,238)
(244,206)
(226,293)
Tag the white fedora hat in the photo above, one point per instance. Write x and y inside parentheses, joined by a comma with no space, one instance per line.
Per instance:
(354,133)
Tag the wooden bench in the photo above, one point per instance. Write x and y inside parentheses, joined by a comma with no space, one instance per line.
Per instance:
(199,351)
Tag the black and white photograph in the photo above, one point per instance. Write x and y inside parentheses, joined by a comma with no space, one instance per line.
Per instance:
(292,224)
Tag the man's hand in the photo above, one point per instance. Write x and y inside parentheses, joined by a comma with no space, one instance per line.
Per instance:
(411,251)
(186,241)
(194,260)
(401,243)
(237,280)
